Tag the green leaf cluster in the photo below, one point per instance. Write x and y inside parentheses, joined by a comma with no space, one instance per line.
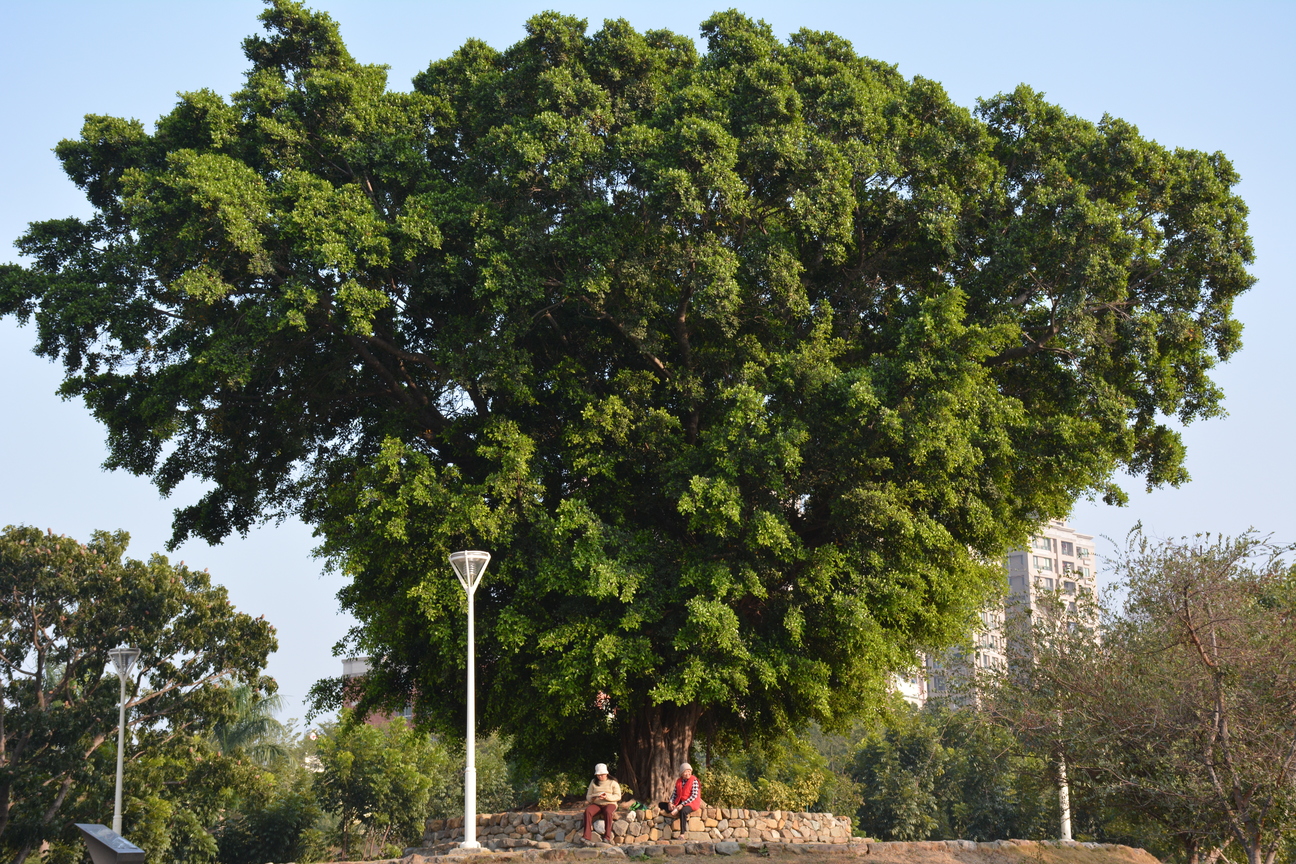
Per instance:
(377,779)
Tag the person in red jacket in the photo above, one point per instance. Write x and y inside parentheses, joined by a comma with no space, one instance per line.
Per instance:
(686,798)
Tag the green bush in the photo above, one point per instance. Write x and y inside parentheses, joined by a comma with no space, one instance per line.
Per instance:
(724,789)
(279,830)
(378,781)
(792,772)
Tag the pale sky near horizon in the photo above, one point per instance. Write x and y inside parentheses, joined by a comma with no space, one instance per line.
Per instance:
(1208,76)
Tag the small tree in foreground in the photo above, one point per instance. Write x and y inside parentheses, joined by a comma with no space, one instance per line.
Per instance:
(378,780)
(1185,712)
(63,605)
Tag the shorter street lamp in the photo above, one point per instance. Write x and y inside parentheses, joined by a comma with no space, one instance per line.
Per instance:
(469,567)
(123,658)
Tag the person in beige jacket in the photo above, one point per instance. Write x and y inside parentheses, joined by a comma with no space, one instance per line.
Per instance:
(601,798)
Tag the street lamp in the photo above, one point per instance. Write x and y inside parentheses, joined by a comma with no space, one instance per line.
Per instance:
(469,567)
(123,658)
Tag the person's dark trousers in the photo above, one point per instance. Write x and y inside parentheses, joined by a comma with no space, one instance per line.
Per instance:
(609,816)
(677,822)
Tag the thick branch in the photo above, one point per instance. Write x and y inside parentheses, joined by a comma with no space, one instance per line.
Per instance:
(401,392)
(630,337)
(1036,346)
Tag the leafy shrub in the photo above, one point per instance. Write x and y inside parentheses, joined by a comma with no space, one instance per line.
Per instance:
(279,830)
(724,789)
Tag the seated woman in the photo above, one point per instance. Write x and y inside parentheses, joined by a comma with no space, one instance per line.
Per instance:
(686,798)
(601,797)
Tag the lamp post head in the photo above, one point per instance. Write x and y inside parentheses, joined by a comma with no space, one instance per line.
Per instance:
(123,658)
(469,567)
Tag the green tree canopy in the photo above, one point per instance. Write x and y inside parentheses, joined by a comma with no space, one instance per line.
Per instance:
(253,729)
(742,363)
(63,605)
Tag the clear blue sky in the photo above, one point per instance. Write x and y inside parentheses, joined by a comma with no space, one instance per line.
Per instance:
(1209,76)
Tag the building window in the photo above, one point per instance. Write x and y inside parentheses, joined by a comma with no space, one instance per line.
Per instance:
(1068,567)
(1042,543)
(1046,583)
(1068,548)
(1082,552)
(1017,562)
(1018,583)
(1085,571)
(1069,587)
(1042,563)
(1071,607)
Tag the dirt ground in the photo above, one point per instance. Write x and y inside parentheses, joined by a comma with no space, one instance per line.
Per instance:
(905,853)
(931,852)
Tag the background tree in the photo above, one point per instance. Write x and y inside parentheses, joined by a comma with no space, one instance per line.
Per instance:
(1184,715)
(253,728)
(63,605)
(282,821)
(944,774)
(742,363)
(177,790)
(280,817)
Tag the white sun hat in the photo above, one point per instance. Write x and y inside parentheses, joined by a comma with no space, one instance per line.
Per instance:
(600,768)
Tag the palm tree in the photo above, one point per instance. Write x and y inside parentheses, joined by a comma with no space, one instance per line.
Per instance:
(253,730)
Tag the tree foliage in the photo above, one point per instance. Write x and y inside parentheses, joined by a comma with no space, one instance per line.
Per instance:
(944,774)
(378,780)
(787,773)
(281,823)
(253,729)
(63,605)
(741,362)
(1183,716)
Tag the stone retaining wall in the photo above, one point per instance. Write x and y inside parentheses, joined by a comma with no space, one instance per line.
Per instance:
(552,829)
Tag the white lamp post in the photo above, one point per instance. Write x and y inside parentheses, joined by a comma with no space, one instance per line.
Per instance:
(469,567)
(123,658)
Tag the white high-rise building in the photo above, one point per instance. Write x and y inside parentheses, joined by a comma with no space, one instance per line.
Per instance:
(912,687)
(1059,559)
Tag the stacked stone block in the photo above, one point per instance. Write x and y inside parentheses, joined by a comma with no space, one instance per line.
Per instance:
(549,829)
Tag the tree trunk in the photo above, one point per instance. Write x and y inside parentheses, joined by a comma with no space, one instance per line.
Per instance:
(655,739)
(1253,849)
(1064,798)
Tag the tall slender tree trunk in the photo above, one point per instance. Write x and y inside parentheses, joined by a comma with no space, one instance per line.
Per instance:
(655,739)
(1064,799)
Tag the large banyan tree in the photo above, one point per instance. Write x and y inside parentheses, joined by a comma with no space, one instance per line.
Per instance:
(746,364)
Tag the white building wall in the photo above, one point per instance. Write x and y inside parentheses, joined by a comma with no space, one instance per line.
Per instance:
(913,687)
(1057,559)
(1060,559)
